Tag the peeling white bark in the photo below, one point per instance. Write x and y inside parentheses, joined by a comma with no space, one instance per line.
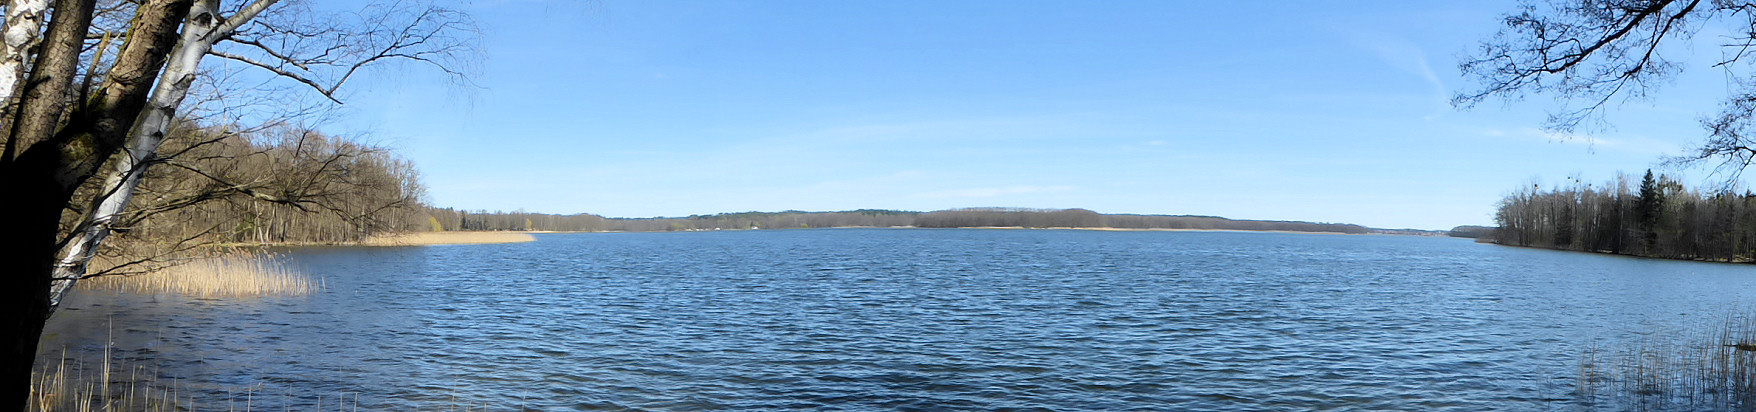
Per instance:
(203,28)
(21,31)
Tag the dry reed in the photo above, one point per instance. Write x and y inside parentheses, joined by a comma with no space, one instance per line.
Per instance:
(1713,368)
(236,275)
(74,387)
(448,238)
(77,387)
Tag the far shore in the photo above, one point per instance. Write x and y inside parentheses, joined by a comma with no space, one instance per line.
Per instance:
(1131,229)
(1126,229)
(497,237)
(1105,229)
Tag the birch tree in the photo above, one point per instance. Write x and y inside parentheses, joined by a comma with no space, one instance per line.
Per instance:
(18,35)
(63,141)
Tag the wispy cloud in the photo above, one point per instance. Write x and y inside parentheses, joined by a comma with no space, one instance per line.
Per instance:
(1409,58)
(991,191)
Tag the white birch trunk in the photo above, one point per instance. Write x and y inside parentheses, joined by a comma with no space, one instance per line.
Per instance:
(22,30)
(202,29)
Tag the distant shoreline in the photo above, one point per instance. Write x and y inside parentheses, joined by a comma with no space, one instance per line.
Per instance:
(486,237)
(449,219)
(1099,229)
(1133,229)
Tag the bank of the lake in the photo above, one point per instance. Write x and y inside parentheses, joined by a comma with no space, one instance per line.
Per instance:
(448,238)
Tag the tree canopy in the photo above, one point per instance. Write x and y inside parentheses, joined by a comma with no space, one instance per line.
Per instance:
(96,95)
(1590,54)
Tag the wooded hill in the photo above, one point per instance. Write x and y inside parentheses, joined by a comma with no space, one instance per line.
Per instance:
(1656,217)
(450,219)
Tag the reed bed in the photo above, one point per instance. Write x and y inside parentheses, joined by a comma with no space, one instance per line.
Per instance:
(447,238)
(226,276)
(119,386)
(1713,368)
(113,385)
(76,387)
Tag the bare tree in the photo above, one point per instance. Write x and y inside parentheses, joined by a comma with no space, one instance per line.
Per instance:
(1593,53)
(83,151)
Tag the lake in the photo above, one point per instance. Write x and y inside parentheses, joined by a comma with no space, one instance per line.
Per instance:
(920,319)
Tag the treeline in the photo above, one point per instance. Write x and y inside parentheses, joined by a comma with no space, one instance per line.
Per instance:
(1081,218)
(1220,223)
(449,219)
(1657,217)
(1472,232)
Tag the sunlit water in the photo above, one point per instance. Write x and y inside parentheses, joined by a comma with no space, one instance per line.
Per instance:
(920,319)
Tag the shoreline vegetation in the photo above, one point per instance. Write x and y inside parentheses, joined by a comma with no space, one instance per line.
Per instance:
(121,383)
(235,274)
(1705,367)
(447,238)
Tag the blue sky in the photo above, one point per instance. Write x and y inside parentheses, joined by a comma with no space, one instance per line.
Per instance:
(1314,111)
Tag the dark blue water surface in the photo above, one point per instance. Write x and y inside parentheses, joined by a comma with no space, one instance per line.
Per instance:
(864,319)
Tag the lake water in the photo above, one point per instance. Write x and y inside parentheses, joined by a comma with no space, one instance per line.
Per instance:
(921,319)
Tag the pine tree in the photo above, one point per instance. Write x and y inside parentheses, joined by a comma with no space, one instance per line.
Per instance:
(1651,210)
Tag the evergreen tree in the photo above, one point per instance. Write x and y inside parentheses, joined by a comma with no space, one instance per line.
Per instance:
(1650,210)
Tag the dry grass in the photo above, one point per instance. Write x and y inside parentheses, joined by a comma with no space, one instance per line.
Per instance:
(116,385)
(1709,369)
(77,387)
(228,276)
(448,238)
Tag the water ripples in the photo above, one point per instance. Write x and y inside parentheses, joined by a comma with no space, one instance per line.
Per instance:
(919,319)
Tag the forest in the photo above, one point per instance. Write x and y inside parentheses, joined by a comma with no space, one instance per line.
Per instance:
(277,185)
(1653,216)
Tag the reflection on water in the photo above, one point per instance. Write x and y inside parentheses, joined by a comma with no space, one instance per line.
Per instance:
(894,319)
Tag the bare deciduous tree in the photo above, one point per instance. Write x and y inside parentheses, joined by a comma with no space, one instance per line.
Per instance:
(1593,53)
(75,155)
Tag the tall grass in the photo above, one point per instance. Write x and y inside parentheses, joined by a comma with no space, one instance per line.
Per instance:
(110,385)
(79,387)
(119,386)
(447,238)
(233,275)
(1713,368)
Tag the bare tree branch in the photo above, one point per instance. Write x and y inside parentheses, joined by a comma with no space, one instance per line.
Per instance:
(326,91)
(310,49)
(1587,50)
